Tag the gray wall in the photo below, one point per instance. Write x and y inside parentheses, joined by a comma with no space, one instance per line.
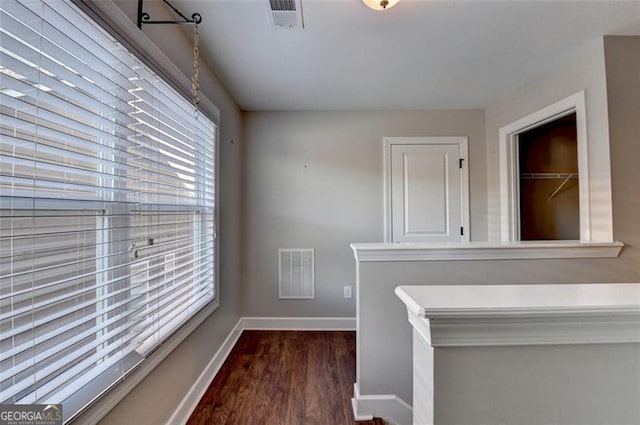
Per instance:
(622,55)
(315,180)
(385,335)
(568,385)
(585,70)
(154,400)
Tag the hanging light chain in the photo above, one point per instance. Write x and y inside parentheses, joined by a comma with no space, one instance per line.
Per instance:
(195,78)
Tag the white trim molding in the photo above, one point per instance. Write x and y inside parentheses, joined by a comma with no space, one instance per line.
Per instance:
(549,330)
(389,407)
(199,388)
(509,197)
(543,314)
(381,252)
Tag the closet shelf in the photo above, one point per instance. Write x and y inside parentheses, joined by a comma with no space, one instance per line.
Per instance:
(549,175)
(564,176)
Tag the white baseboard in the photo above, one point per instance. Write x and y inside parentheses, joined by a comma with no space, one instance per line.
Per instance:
(196,392)
(354,405)
(299,323)
(387,406)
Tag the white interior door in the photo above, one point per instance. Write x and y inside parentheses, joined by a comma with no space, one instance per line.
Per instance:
(428,189)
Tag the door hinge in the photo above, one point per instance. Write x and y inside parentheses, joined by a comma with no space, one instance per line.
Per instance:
(461,159)
(462,231)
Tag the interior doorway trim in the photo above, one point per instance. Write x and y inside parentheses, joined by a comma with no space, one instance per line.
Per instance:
(461,141)
(509,197)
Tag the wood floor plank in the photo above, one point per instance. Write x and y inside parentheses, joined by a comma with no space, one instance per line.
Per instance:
(295,408)
(283,378)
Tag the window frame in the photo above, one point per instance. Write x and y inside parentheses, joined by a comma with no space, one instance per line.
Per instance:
(509,169)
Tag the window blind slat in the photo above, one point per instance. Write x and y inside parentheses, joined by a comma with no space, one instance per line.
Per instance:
(167,313)
(83,104)
(93,55)
(59,347)
(46,97)
(197,248)
(61,313)
(54,367)
(163,331)
(47,117)
(15,351)
(113,352)
(168,105)
(102,162)
(63,72)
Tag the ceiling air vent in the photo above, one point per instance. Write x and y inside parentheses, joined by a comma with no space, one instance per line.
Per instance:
(286,13)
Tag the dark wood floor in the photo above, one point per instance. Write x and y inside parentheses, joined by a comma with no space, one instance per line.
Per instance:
(284,378)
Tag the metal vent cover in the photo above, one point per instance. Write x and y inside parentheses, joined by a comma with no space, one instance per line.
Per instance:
(282,5)
(285,13)
(296,274)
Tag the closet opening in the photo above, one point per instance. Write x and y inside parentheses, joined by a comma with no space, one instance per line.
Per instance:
(548,183)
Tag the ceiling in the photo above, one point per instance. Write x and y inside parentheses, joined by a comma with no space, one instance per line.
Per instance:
(421,54)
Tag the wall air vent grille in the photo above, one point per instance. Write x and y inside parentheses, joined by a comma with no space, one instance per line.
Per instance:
(296,274)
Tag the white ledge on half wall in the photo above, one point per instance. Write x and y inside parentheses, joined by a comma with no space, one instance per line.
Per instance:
(511,315)
(531,314)
(364,252)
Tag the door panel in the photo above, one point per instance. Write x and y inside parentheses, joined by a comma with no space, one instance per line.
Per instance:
(426,193)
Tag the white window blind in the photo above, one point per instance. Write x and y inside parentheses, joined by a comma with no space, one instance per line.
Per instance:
(107,232)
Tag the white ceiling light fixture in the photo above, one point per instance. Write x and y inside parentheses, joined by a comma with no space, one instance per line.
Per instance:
(380,4)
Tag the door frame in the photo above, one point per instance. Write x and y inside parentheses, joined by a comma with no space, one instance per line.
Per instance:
(461,141)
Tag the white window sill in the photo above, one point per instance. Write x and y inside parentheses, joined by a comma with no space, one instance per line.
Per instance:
(367,252)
